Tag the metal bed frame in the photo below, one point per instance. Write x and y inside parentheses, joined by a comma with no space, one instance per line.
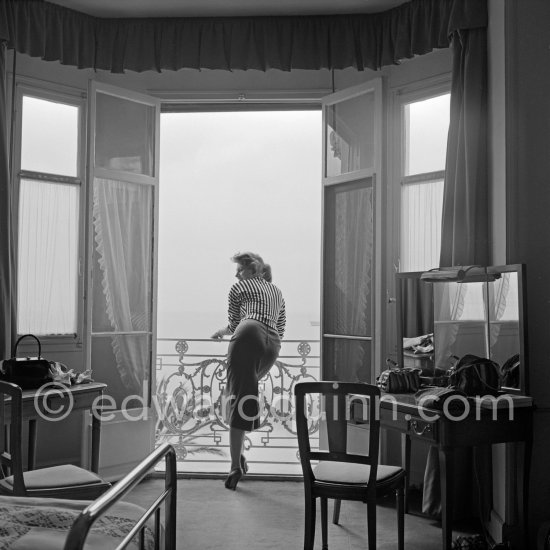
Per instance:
(81,526)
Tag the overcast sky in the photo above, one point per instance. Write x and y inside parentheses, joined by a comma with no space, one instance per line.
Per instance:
(230,182)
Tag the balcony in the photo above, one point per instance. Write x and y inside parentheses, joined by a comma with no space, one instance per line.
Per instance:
(190,380)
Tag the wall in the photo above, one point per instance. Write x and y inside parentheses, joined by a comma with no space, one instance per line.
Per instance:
(528,207)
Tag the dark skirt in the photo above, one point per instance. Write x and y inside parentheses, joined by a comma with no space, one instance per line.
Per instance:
(253,349)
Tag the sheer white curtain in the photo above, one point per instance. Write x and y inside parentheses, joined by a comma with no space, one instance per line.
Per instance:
(421,206)
(122,219)
(47,258)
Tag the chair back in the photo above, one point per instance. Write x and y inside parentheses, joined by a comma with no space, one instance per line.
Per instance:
(11,425)
(334,402)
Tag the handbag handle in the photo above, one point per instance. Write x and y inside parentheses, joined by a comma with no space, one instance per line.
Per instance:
(25,336)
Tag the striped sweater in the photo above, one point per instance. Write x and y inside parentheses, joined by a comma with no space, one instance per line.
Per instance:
(257,299)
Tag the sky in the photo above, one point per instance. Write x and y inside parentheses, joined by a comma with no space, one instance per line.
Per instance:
(427,142)
(230,182)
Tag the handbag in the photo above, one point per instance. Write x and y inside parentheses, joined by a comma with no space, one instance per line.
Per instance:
(397,380)
(475,375)
(28,373)
(509,372)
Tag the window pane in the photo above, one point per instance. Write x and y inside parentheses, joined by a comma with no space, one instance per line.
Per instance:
(459,321)
(48,258)
(421,208)
(349,143)
(348,259)
(426,128)
(122,259)
(122,362)
(123,131)
(122,268)
(347,360)
(49,141)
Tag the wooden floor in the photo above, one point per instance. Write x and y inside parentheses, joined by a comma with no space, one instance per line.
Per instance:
(269,515)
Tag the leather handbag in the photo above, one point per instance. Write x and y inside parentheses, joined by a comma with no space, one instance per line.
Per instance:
(27,372)
(475,375)
(399,380)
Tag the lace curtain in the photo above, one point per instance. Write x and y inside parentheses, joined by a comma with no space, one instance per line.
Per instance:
(123,229)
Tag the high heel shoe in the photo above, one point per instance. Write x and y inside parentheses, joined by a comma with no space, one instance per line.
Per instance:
(233,478)
(244,465)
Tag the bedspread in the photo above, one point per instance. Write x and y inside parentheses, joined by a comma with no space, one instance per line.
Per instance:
(30,523)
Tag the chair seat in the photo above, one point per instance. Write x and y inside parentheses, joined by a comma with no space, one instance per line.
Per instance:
(66,475)
(351,473)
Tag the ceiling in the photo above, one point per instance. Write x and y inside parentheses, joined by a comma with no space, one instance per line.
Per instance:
(224,8)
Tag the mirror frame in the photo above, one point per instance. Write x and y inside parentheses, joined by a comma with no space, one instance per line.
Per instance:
(520,270)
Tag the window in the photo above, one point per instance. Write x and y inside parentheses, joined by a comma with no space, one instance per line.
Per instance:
(48,169)
(424,128)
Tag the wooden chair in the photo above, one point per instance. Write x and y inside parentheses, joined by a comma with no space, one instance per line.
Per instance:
(341,475)
(65,481)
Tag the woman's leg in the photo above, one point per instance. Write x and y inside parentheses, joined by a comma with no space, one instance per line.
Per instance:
(236,440)
(236,443)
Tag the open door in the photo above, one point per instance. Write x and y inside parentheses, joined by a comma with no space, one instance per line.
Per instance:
(121,315)
(351,254)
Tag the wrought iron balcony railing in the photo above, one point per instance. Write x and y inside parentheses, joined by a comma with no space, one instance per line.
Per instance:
(190,381)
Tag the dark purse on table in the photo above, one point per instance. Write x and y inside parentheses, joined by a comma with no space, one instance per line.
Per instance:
(399,380)
(29,373)
(475,375)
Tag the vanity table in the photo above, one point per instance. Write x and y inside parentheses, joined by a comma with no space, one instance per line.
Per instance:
(481,427)
(468,310)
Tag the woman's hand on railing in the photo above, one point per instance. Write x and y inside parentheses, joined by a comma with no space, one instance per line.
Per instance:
(219,334)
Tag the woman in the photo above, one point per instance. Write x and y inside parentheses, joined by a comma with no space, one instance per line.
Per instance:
(257,323)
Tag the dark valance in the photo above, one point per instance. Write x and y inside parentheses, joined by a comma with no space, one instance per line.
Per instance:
(362,41)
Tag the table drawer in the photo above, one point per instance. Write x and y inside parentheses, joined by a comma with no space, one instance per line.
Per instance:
(421,428)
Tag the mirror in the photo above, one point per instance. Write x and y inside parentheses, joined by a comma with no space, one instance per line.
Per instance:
(477,311)
(415,322)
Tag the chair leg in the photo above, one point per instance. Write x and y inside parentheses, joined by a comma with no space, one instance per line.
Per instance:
(371,524)
(336,511)
(324,523)
(400,498)
(309,528)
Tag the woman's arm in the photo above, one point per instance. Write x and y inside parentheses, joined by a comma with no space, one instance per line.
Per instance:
(233,313)
(234,308)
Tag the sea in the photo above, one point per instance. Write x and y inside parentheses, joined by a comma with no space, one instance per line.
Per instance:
(190,325)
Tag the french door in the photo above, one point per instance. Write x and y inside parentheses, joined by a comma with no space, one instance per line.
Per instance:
(121,312)
(351,307)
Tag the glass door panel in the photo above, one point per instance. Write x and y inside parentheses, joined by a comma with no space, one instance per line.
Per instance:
(124,135)
(347,282)
(351,161)
(349,143)
(122,273)
(123,200)
(347,360)
(349,242)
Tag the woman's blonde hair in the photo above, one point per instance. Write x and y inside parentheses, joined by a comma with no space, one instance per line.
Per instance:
(255,263)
